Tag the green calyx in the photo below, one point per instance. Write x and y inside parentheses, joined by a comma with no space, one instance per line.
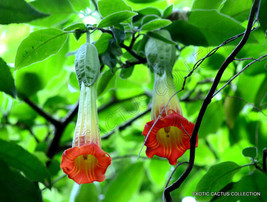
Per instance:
(159,54)
(87,65)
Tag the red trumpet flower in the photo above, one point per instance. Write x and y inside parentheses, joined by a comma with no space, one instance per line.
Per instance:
(86,162)
(170,136)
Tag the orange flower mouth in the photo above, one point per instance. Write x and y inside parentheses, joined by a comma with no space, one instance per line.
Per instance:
(169,138)
(85,164)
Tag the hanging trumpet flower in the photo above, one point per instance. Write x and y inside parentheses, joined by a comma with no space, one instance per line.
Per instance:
(86,162)
(170,135)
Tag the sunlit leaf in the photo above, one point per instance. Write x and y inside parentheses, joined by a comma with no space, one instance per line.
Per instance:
(238,9)
(124,187)
(206,4)
(116,18)
(102,43)
(212,120)
(106,82)
(143,1)
(59,11)
(150,11)
(84,192)
(167,11)
(80,4)
(38,46)
(107,7)
(155,24)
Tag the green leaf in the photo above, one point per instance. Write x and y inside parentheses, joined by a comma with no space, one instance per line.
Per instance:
(249,92)
(7,84)
(87,64)
(109,59)
(116,18)
(28,84)
(232,108)
(14,11)
(148,18)
(215,27)
(216,178)
(206,4)
(261,97)
(157,171)
(215,61)
(126,72)
(23,113)
(17,157)
(143,1)
(79,26)
(38,46)
(107,7)
(238,9)
(59,11)
(102,43)
(255,183)
(186,33)
(159,37)
(155,24)
(15,187)
(4,133)
(80,4)
(263,15)
(251,152)
(106,82)
(205,28)
(83,192)
(168,11)
(150,11)
(119,35)
(212,120)
(126,183)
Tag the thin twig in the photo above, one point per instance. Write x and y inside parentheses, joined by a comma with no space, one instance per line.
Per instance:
(211,149)
(125,125)
(240,98)
(41,112)
(229,59)
(260,59)
(128,156)
(264,158)
(133,53)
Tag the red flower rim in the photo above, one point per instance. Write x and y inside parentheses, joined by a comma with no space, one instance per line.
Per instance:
(85,164)
(169,146)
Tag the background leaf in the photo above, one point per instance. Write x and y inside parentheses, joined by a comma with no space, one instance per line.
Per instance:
(116,18)
(38,46)
(26,162)
(250,152)
(217,177)
(155,24)
(6,80)
(15,187)
(13,11)
(126,183)
(206,4)
(107,7)
(83,192)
